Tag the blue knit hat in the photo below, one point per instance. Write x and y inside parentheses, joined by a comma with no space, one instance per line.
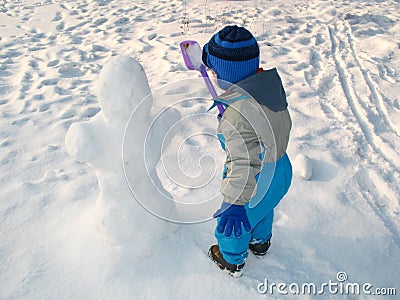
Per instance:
(233,54)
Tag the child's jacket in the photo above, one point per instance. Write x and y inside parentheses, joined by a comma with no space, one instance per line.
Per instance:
(254,131)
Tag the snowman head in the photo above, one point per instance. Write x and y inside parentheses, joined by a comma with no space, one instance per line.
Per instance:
(121,87)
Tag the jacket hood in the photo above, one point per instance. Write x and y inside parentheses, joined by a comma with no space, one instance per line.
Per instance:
(266,88)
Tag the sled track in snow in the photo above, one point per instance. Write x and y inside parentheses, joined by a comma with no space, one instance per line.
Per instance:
(357,104)
(376,96)
(362,108)
(370,195)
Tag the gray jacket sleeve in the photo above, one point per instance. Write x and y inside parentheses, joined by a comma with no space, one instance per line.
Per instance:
(243,163)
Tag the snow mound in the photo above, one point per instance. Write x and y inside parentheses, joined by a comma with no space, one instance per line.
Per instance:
(303,166)
(121,87)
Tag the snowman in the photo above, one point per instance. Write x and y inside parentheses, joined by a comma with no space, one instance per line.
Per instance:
(121,90)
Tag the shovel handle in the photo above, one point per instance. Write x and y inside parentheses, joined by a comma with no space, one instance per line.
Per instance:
(210,87)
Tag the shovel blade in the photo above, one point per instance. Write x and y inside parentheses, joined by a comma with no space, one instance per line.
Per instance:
(192,52)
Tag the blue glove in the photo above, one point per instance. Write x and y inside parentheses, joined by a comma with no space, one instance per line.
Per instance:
(231,218)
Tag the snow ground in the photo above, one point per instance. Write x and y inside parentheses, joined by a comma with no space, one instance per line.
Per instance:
(339,61)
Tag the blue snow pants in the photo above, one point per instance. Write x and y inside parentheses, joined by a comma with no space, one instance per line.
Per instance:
(273,182)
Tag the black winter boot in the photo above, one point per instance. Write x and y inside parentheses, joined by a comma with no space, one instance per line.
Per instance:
(260,250)
(216,256)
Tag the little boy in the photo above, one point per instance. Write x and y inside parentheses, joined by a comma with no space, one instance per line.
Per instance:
(254,132)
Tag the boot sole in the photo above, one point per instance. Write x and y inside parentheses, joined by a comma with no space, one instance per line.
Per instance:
(259,255)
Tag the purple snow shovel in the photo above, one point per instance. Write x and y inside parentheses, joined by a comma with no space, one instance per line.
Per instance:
(192,52)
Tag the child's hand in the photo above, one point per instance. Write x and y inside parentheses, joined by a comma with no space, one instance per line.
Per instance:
(231,219)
